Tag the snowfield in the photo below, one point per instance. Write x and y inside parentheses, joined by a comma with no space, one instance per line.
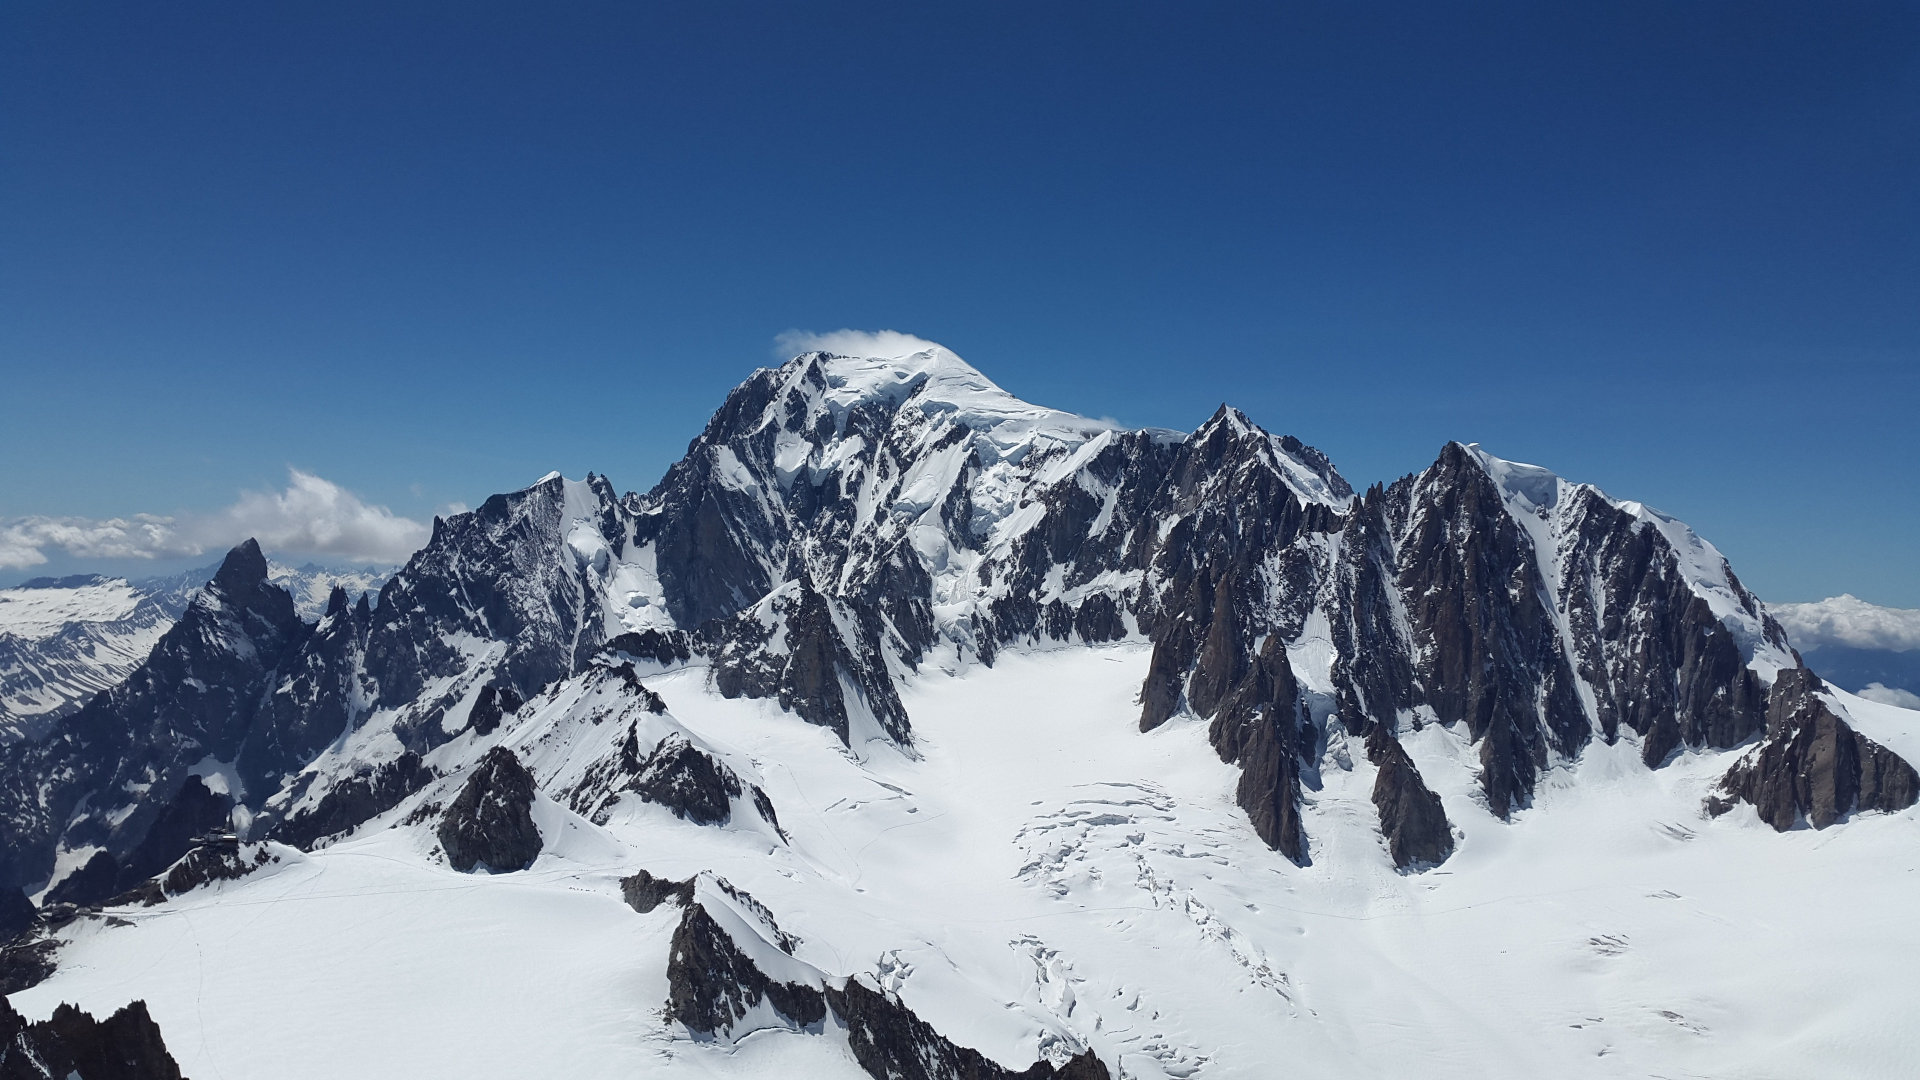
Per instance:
(1038,877)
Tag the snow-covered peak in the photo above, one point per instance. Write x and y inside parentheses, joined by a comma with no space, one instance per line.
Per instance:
(935,381)
(1305,470)
(1529,488)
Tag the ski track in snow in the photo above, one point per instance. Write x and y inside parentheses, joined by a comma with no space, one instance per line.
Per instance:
(1043,878)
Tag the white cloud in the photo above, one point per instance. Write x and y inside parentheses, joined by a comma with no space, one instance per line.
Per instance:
(142,536)
(1891,695)
(319,517)
(312,516)
(1849,620)
(861,343)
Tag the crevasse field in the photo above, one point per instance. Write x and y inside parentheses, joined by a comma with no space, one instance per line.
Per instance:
(1043,877)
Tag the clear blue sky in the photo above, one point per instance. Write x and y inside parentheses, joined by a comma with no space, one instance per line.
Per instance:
(431,252)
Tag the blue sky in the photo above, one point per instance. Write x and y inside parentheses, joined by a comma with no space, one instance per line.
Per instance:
(426,254)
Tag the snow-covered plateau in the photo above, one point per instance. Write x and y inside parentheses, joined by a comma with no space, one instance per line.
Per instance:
(908,730)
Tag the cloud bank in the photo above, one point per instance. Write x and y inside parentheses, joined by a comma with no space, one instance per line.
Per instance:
(311,516)
(1849,620)
(862,343)
(1891,695)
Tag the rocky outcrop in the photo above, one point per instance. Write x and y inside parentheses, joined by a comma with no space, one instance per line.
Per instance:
(1411,817)
(320,694)
(97,879)
(677,774)
(716,982)
(892,1043)
(493,703)
(489,825)
(16,914)
(643,892)
(221,859)
(195,812)
(713,984)
(688,781)
(355,799)
(70,1043)
(1812,766)
(824,665)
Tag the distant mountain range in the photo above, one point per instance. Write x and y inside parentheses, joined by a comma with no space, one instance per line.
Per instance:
(62,640)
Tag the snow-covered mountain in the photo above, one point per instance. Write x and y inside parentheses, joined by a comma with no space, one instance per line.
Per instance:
(908,729)
(63,640)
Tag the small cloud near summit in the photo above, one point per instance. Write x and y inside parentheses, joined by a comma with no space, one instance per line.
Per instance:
(861,343)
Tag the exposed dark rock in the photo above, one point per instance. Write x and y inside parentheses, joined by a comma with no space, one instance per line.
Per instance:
(818,665)
(194,812)
(1489,654)
(643,892)
(219,859)
(1812,765)
(649,700)
(1660,662)
(355,800)
(1259,725)
(490,823)
(96,880)
(124,1046)
(17,913)
(713,983)
(1373,667)
(665,649)
(493,703)
(688,781)
(26,962)
(320,694)
(1411,817)
(892,1043)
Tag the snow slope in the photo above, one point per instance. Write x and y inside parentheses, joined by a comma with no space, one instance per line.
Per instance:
(1043,877)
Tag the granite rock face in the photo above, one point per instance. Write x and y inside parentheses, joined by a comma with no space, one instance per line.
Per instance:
(1411,817)
(367,793)
(688,781)
(1812,766)
(493,703)
(715,980)
(490,823)
(124,1046)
